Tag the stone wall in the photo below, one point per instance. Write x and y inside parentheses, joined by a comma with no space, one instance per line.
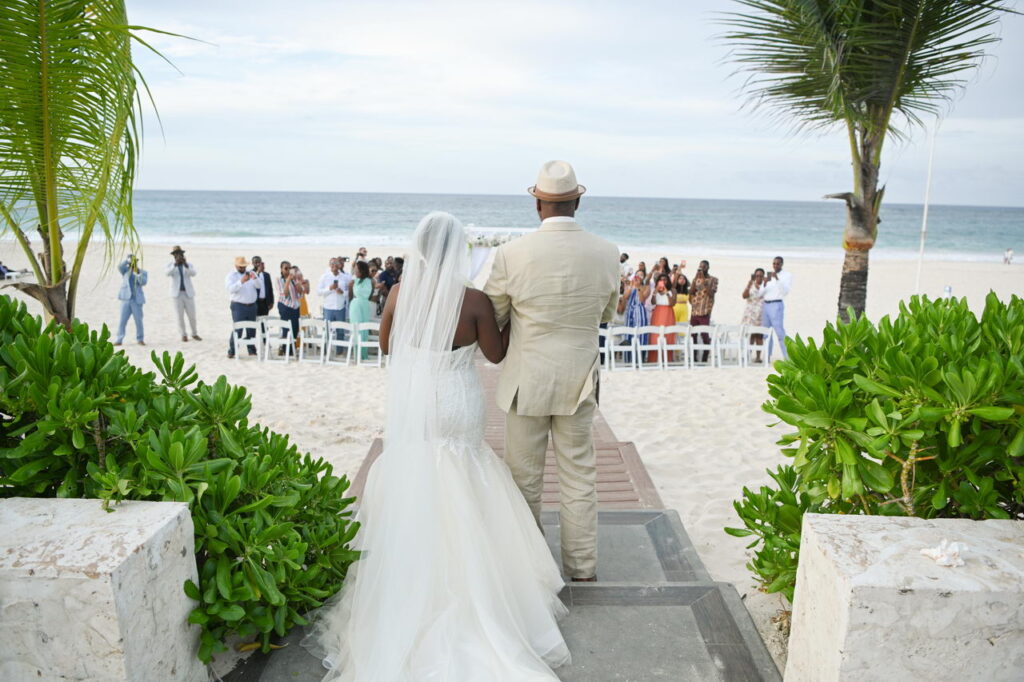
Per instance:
(91,595)
(869,606)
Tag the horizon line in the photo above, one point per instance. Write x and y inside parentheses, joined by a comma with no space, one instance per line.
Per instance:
(599,196)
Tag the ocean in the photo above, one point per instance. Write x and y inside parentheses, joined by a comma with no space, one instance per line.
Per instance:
(694,227)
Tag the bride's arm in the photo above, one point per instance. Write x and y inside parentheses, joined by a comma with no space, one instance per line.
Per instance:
(487,334)
(387,318)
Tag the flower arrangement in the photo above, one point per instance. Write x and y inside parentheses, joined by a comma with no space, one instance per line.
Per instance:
(491,237)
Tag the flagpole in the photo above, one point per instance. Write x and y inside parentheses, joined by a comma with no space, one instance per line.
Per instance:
(924,215)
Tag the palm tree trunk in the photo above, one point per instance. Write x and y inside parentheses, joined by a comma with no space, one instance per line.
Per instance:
(853,285)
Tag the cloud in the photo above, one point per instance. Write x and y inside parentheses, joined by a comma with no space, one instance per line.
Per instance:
(366,95)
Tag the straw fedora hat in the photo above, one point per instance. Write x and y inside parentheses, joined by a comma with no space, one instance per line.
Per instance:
(556,182)
(240,261)
(177,249)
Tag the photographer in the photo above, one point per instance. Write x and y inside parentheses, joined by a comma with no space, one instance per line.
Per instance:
(242,284)
(183,293)
(132,297)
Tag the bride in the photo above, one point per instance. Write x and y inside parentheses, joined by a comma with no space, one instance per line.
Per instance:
(455,582)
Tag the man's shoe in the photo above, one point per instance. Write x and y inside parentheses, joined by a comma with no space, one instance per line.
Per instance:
(592,579)
(142,343)
(197,337)
(231,356)
(185,339)
(117,343)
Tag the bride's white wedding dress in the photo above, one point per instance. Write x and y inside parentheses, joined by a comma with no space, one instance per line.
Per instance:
(456,582)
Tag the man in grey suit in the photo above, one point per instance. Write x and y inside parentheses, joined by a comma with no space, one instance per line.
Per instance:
(132,298)
(182,292)
(555,286)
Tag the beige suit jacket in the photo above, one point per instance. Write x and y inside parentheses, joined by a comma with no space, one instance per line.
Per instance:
(556,285)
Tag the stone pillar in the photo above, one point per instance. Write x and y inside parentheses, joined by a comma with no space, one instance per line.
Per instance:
(91,595)
(870,606)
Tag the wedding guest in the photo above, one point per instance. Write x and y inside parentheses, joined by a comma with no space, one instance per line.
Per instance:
(664,313)
(1008,257)
(132,298)
(265,283)
(333,290)
(681,285)
(242,285)
(641,269)
(776,287)
(289,300)
(388,276)
(753,294)
(631,304)
(360,255)
(702,301)
(360,291)
(625,269)
(183,293)
(303,287)
(399,266)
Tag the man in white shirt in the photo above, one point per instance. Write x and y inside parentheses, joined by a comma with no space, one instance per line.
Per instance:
(625,269)
(776,287)
(333,290)
(183,294)
(244,288)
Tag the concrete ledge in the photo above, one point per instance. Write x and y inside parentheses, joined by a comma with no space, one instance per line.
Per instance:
(91,595)
(869,606)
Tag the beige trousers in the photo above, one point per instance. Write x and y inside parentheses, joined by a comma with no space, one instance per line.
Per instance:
(526,443)
(185,304)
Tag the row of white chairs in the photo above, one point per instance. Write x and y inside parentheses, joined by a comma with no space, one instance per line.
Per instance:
(320,341)
(723,345)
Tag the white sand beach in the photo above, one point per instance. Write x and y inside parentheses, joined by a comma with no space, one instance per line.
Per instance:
(701,433)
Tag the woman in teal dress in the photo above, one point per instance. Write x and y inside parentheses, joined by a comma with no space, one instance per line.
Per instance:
(360,289)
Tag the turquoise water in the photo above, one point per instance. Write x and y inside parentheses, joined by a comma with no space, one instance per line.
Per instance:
(706,226)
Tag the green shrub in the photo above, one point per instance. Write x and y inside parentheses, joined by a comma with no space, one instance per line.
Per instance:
(78,420)
(922,415)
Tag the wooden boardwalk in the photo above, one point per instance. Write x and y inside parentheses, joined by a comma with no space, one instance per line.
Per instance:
(622,479)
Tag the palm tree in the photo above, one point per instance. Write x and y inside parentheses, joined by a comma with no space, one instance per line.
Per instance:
(70,112)
(874,67)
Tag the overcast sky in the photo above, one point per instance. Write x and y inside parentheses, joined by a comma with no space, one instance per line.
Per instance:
(471,97)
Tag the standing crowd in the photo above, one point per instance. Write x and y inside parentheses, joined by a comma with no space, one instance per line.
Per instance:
(355,297)
(665,296)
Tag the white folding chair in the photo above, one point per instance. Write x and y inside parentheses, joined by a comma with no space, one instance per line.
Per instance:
(729,345)
(755,345)
(345,343)
(603,340)
(245,342)
(371,342)
(676,353)
(279,340)
(649,340)
(313,337)
(702,344)
(261,320)
(622,350)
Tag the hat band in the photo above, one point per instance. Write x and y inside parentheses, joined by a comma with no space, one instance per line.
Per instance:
(564,196)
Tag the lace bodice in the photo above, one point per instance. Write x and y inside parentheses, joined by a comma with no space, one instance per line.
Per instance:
(461,412)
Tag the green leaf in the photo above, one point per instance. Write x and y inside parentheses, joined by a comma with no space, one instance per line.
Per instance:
(232,613)
(992,414)
(192,590)
(224,577)
(941,497)
(876,476)
(874,387)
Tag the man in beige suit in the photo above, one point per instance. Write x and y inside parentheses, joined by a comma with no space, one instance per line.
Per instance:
(556,286)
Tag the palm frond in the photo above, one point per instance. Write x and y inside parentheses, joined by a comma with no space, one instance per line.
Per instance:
(826,61)
(70,116)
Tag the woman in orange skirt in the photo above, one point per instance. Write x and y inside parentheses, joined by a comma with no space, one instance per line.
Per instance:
(664,314)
